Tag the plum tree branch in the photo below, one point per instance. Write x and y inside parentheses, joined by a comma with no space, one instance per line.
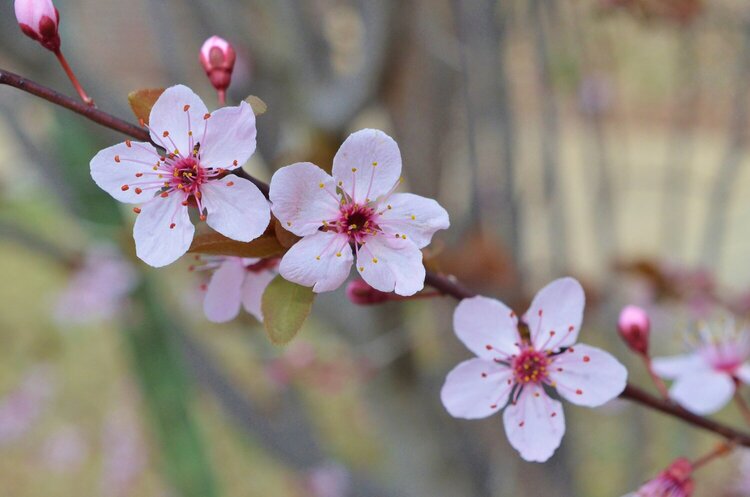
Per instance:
(444,284)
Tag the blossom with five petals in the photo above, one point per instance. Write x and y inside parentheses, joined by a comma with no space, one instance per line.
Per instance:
(198,149)
(513,370)
(356,207)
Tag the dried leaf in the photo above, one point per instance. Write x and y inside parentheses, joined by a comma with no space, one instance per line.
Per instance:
(141,101)
(216,244)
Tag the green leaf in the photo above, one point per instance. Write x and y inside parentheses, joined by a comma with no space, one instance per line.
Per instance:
(141,102)
(285,307)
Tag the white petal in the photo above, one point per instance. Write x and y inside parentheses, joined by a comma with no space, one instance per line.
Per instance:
(743,373)
(252,291)
(112,176)
(555,315)
(416,217)
(589,377)
(169,114)
(368,165)
(535,424)
(391,265)
(476,388)
(704,392)
(155,242)
(222,302)
(481,321)
(298,200)
(315,261)
(675,366)
(239,211)
(230,137)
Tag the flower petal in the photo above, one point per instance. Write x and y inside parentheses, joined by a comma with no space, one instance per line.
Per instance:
(743,373)
(486,326)
(114,170)
(229,139)
(587,376)
(252,291)
(703,392)
(476,388)
(169,115)
(299,201)
(535,424)
(391,265)
(236,208)
(222,301)
(315,261)
(368,165)
(675,366)
(416,217)
(156,243)
(555,315)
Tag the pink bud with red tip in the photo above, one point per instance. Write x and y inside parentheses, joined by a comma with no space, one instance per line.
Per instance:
(39,20)
(360,293)
(217,58)
(634,326)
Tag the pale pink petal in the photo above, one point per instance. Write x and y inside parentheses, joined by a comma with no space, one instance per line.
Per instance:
(675,366)
(230,137)
(391,265)
(555,315)
(703,392)
(236,208)
(477,388)
(743,373)
(418,218)
(119,178)
(169,114)
(487,327)
(367,165)
(299,201)
(30,12)
(535,424)
(156,243)
(252,291)
(223,295)
(587,376)
(321,260)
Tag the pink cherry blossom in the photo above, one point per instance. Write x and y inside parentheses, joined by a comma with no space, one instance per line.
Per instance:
(39,20)
(236,282)
(706,378)
(675,481)
(65,450)
(329,480)
(23,407)
(513,370)
(199,149)
(97,289)
(358,208)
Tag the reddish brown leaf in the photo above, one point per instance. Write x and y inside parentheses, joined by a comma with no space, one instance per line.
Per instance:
(141,101)
(216,244)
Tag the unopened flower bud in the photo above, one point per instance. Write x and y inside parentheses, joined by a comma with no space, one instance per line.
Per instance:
(674,481)
(634,326)
(217,58)
(360,293)
(39,20)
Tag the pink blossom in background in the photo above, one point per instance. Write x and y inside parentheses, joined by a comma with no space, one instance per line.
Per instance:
(358,208)
(201,147)
(705,378)
(65,450)
(23,407)
(675,481)
(124,452)
(236,282)
(330,480)
(512,370)
(98,288)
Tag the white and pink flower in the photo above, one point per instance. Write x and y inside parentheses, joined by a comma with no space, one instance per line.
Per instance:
(514,370)
(236,282)
(707,377)
(675,481)
(199,149)
(358,208)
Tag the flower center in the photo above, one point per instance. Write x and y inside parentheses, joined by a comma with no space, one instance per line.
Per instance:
(530,366)
(357,221)
(187,175)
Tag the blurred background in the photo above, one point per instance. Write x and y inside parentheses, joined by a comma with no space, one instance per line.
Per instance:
(600,139)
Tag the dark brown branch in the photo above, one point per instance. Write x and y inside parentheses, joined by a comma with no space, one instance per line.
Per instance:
(444,284)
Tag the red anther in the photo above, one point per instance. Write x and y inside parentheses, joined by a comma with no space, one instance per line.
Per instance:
(579,392)
(230,183)
(171,226)
(165,134)
(137,210)
(164,195)
(186,107)
(138,191)
(138,175)
(202,217)
(206,116)
(128,143)
(586,358)
(124,188)
(117,158)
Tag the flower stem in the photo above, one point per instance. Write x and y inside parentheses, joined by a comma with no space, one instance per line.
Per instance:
(658,382)
(222,94)
(742,405)
(721,450)
(71,75)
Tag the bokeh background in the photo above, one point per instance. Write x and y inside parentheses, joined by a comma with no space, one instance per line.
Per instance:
(601,139)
